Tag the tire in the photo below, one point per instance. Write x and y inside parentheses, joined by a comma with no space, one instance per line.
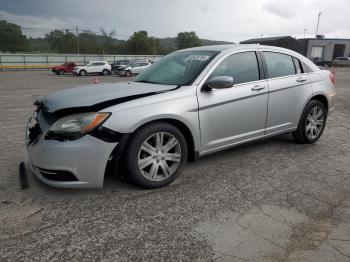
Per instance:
(128,74)
(105,72)
(163,165)
(312,123)
(82,72)
(61,72)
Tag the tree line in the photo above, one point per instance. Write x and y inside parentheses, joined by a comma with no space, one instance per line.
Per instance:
(13,40)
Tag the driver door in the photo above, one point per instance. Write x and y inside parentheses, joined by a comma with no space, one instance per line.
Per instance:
(236,114)
(90,67)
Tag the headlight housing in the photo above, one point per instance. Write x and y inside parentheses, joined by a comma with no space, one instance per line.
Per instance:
(79,123)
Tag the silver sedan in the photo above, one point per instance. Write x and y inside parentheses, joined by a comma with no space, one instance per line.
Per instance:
(191,103)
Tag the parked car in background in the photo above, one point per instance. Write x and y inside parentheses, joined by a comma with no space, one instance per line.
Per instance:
(341,61)
(64,68)
(93,67)
(320,62)
(190,103)
(134,69)
(118,64)
(120,68)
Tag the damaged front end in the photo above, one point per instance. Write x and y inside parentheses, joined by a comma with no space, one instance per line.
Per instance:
(76,158)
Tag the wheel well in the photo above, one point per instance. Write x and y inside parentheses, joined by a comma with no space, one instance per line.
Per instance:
(185,131)
(322,99)
(187,134)
(115,168)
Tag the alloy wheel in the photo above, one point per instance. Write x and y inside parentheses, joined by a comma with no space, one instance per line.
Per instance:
(314,122)
(159,156)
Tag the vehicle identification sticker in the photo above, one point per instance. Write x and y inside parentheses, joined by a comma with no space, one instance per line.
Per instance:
(199,57)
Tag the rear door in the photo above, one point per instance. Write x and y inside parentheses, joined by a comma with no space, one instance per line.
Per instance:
(91,68)
(140,68)
(289,88)
(99,67)
(136,68)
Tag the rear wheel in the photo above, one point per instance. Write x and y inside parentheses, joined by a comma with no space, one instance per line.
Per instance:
(155,155)
(312,123)
(105,72)
(82,73)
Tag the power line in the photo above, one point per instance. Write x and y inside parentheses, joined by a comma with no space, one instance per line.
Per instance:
(69,29)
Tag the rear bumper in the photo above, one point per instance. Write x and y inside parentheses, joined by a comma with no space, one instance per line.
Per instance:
(86,159)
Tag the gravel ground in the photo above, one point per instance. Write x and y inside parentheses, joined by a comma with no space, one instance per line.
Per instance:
(269,201)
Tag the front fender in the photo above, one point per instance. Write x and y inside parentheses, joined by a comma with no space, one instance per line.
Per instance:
(174,105)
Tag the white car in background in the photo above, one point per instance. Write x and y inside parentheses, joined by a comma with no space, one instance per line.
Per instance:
(135,68)
(93,67)
(341,61)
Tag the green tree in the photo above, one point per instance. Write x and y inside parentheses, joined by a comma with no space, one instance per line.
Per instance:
(62,42)
(88,43)
(108,47)
(140,44)
(187,39)
(11,38)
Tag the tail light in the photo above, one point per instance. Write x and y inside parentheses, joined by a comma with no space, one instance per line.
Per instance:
(332,76)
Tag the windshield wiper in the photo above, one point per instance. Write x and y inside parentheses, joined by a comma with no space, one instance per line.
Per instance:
(146,81)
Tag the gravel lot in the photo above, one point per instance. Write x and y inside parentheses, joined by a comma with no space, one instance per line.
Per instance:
(269,201)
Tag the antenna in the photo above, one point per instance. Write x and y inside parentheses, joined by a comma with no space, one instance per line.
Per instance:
(318,22)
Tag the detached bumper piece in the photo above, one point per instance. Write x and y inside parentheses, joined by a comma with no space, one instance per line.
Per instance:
(23,179)
(56,175)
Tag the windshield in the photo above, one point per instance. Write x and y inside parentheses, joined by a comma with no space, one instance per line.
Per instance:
(179,68)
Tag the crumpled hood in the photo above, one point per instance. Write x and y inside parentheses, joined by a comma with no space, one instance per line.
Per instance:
(90,95)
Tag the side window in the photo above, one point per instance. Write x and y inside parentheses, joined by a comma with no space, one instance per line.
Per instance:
(279,64)
(297,65)
(243,67)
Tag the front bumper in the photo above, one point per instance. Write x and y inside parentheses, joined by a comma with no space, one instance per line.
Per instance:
(85,158)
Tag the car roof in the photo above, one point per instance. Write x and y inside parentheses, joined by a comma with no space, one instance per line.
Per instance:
(218,48)
(98,62)
(238,47)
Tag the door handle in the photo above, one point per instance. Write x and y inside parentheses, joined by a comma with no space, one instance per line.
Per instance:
(258,88)
(301,79)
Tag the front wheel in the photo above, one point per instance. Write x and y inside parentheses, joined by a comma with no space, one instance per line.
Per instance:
(312,123)
(61,72)
(82,73)
(155,155)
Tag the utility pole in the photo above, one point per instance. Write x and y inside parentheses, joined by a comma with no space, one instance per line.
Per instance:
(154,45)
(304,32)
(77,29)
(318,22)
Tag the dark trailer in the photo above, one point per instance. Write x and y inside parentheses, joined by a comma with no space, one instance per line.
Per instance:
(281,41)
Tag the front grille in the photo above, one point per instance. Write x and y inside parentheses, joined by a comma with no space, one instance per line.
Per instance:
(57,175)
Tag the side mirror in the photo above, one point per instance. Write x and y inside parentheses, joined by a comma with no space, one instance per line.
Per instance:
(219,82)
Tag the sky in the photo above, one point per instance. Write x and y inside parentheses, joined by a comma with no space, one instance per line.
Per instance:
(230,20)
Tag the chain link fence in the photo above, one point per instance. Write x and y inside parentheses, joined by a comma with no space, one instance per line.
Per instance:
(47,61)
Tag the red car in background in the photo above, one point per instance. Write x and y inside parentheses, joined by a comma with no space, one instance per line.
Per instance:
(65,68)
